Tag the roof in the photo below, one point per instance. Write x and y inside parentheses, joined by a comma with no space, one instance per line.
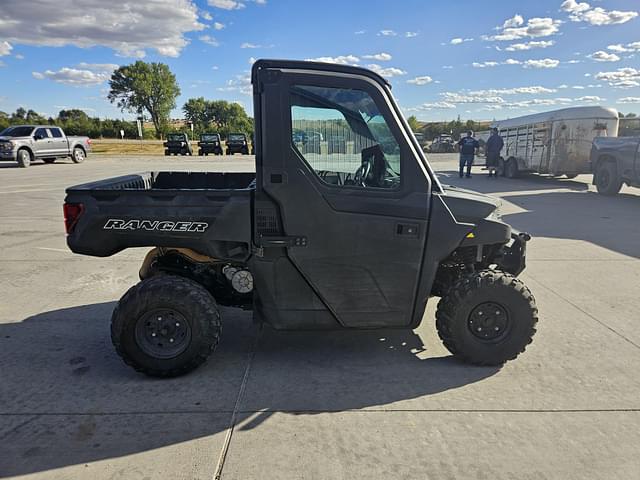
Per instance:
(573,113)
(319,66)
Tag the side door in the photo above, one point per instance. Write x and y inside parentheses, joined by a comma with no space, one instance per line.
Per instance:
(59,145)
(355,216)
(42,146)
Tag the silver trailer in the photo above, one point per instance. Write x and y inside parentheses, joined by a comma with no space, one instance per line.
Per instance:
(557,142)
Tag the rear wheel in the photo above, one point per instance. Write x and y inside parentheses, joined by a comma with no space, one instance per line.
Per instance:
(165,326)
(78,155)
(487,318)
(24,158)
(511,168)
(606,179)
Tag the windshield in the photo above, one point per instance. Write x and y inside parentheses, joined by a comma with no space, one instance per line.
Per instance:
(16,132)
(175,137)
(236,137)
(209,138)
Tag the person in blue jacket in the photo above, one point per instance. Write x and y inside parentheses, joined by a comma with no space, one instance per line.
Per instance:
(468,148)
(494,146)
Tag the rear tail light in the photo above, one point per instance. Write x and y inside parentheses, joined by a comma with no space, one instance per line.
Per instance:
(72,213)
(88,141)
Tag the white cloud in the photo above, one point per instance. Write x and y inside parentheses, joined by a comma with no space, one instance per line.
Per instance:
(533,90)
(602,56)
(360,32)
(423,80)
(241,83)
(621,78)
(209,40)
(583,12)
(511,61)
(432,106)
(381,57)
(629,47)
(411,34)
(254,45)
(5,48)
(516,29)
(126,26)
(252,60)
(484,64)
(448,67)
(218,25)
(471,97)
(515,21)
(629,100)
(340,60)
(590,99)
(386,72)
(83,75)
(458,40)
(516,47)
(19,56)
(226,4)
(387,33)
(542,63)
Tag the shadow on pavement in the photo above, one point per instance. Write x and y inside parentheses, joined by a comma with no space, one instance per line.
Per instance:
(66,399)
(572,213)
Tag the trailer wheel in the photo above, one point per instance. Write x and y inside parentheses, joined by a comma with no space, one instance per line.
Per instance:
(606,179)
(165,326)
(487,318)
(511,168)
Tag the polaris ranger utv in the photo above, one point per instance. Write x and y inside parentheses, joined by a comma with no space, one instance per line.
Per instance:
(209,143)
(177,144)
(237,143)
(312,240)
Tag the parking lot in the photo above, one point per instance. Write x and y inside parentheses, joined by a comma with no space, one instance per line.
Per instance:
(285,405)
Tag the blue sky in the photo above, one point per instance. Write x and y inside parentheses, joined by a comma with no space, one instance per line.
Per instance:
(443,59)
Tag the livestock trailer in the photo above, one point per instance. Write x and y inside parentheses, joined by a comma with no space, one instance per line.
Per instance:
(557,142)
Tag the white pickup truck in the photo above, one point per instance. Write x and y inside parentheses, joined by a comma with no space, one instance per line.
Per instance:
(26,143)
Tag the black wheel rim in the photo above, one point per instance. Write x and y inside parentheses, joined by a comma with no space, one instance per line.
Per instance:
(163,333)
(489,322)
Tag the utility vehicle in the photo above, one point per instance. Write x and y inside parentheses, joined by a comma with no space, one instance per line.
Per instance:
(310,240)
(177,144)
(237,143)
(209,143)
(26,143)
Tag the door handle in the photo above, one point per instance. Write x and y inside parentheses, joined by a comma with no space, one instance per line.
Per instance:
(408,230)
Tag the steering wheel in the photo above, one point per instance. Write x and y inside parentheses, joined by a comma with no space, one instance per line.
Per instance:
(360,177)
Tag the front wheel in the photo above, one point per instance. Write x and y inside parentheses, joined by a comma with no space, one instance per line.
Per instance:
(165,326)
(606,179)
(78,155)
(487,318)
(24,158)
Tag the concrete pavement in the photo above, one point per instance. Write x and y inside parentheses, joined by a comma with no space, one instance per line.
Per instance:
(376,404)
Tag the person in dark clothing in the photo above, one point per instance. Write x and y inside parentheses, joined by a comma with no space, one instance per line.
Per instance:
(493,148)
(468,148)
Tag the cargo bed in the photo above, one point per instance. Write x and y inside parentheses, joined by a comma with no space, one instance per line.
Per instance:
(207,212)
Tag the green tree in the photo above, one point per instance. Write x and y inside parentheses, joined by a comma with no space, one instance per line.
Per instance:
(195,110)
(149,87)
(414,124)
(219,115)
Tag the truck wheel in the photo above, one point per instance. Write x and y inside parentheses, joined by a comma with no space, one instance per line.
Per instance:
(165,326)
(78,155)
(24,158)
(511,168)
(606,179)
(487,318)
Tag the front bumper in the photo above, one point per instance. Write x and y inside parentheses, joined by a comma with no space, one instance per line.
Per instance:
(514,256)
(8,155)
